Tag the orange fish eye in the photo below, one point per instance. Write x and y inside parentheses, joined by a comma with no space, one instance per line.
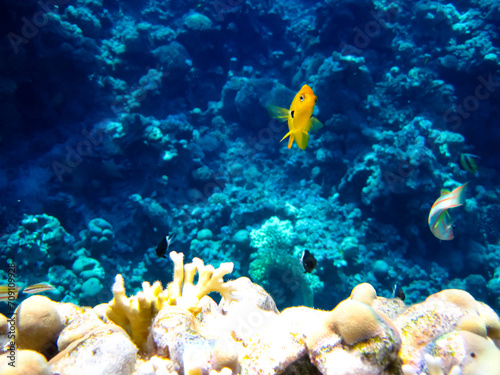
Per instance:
(302,98)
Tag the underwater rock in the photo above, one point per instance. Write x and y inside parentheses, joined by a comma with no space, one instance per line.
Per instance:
(85,20)
(204,234)
(174,60)
(197,22)
(242,238)
(101,235)
(86,268)
(104,350)
(90,289)
(39,238)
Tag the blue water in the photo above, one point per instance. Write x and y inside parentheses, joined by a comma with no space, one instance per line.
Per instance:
(123,122)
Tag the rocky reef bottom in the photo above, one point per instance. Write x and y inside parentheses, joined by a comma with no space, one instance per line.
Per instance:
(181,330)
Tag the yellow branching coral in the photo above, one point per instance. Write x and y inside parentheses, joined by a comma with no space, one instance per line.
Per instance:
(134,314)
(185,294)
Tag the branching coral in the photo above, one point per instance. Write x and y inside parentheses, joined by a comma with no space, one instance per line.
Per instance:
(135,313)
(184,293)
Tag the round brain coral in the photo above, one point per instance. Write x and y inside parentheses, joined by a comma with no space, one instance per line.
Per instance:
(365,293)
(38,324)
(458,297)
(354,321)
(28,362)
(472,324)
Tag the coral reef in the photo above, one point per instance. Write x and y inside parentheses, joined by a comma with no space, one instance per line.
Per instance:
(180,329)
(122,122)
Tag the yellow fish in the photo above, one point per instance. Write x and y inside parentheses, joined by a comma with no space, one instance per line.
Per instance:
(469,164)
(299,116)
(8,293)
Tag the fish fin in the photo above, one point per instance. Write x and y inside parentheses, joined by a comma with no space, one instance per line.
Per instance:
(315,124)
(441,218)
(302,139)
(473,156)
(290,141)
(286,135)
(278,112)
(170,239)
(444,192)
(459,194)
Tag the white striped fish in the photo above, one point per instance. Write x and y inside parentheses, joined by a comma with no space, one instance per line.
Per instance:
(440,222)
(38,288)
(8,293)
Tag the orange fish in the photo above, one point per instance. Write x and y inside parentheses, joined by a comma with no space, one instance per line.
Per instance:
(299,116)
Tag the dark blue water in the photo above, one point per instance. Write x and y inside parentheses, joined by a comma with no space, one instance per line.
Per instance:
(124,122)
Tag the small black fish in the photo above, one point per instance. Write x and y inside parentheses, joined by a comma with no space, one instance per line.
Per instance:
(397,292)
(164,245)
(308,261)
